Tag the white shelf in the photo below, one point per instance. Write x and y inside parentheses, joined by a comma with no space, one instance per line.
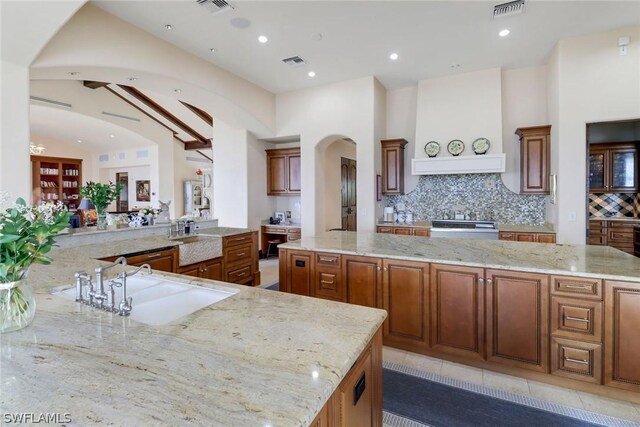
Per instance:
(486,163)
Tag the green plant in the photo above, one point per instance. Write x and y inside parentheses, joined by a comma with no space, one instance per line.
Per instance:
(101,195)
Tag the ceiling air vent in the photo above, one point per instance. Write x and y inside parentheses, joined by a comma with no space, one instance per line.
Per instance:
(215,6)
(294,61)
(508,9)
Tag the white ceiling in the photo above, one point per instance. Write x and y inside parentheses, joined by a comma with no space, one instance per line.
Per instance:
(358,36)
(68,126)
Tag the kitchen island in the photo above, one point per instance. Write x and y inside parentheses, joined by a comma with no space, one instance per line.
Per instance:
(256,358)
(561,314)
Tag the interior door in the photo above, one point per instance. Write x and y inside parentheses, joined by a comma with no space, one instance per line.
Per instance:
(348,197)
(122,201)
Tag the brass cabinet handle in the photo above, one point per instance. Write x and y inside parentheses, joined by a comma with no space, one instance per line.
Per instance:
(582,362)
(328,282)
(576,319)
(242,254)
(241,274)
(154,255)
(577,286)
(327,259)
(240,238)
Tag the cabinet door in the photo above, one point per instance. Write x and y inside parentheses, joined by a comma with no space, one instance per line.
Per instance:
(356,395)
(393,166)
(299,272)
(457,310)
(622,340)
(535,164)
(546,238)
(293,174)
(277,174)
(623,175)
(190,270)
(507,236)
(363,279)
(160,261)
(405,231)
(212,269)
(517,307)
(598,171)
(525,237)
(405,297)
(423,232)
(388,230)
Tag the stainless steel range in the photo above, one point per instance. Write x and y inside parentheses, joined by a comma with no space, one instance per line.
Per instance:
(464,229)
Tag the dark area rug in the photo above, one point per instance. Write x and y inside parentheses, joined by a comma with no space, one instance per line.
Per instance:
(440,405)
(274,287)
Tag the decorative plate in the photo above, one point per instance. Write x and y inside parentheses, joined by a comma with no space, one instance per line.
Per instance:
(455,147)
(432,148)
(481,145)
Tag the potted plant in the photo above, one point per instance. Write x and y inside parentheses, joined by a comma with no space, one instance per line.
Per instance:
(26,236)
(101,195)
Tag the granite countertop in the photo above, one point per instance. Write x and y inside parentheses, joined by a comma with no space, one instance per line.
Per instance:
(614,218)
(579,260)
(514,228)
(247,360)
(222,231)
(416,224)
(287,226)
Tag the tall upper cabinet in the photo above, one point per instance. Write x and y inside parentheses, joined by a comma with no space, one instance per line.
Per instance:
(57,179)
(535,159)
(613,168)
(283,172)
(393,166)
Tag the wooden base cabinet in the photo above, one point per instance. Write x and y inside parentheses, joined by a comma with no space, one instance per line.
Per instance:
(210,269)
(457,310)
(405,297)
(622,337)
(518,319)
(362,277)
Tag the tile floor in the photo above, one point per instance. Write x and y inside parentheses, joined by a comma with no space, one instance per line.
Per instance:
(268,271)
(548,392)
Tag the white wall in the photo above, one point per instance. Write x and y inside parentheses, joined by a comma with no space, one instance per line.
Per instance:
(333,180)
(553,116)
(56,148)
(261,206)
(463,106)
(595,84)
(402,107)
(524,103)
(320,116)
(379,133)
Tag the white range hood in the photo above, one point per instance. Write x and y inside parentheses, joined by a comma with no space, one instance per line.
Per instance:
(486,163)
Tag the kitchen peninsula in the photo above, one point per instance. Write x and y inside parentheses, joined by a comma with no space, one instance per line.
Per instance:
(560,314)
(256,358)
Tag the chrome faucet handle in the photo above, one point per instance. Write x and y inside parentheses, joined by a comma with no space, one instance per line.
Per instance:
(125,307)
(111,299)
(81,278)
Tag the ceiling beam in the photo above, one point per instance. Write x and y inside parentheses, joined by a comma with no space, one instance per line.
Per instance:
(196,145)
(204,142)
(94,85)
(208,119)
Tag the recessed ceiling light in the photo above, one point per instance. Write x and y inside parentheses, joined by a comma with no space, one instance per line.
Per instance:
(212,49)
(311,74)
(79,141)
(393,56)
(263,39)
(241,23)
(177,90)
(168,27)
(504,33)
(112,136)
(132,79)
(73,73)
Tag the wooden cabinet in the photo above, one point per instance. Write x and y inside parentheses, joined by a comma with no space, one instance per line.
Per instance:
(406,231)
(273,232)
(393,166)
(517,307)
(622,340)
(362,277)
(528,237)
(617,234)
(328,277)
(240,259)
(576,360)
(210,269)
(164,259)
(57,179)
(457,310)
(283,172)
(298,272)
(613,168)
(405,297)
(535,159)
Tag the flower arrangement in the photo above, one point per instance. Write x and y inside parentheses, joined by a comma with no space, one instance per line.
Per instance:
(26,236)
(148,211)
(101,195)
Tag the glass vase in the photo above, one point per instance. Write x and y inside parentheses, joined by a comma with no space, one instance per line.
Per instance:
(102,221)
(17,305)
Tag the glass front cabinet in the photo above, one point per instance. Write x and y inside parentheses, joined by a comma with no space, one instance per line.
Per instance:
(613,168)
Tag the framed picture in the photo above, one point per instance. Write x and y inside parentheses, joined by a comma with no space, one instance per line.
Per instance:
(280,215)
(378,187)
(143,191)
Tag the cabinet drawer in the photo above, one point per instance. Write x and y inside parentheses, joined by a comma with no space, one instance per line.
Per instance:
(546,238)
(405,231)
(576,287)
(241,275)
(576,360)
(422,232)
(576,319)
(238,255)
(617,235)
(237,240)
(385,230)
(292,236)
(328,284)
(331,260)
(621,225)
(525,237)
(507,236)
(274,230)
(597,239)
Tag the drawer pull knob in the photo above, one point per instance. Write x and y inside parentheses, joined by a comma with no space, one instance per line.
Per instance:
(480,281)
(577,287)
(327,259)
(576,319)
(582,362)
(327,282)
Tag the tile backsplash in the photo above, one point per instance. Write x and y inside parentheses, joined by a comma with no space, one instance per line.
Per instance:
(614,204)
(484,194)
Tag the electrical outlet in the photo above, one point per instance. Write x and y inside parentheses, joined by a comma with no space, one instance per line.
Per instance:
(573,217)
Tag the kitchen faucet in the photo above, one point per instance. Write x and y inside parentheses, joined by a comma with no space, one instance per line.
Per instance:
(99,295)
